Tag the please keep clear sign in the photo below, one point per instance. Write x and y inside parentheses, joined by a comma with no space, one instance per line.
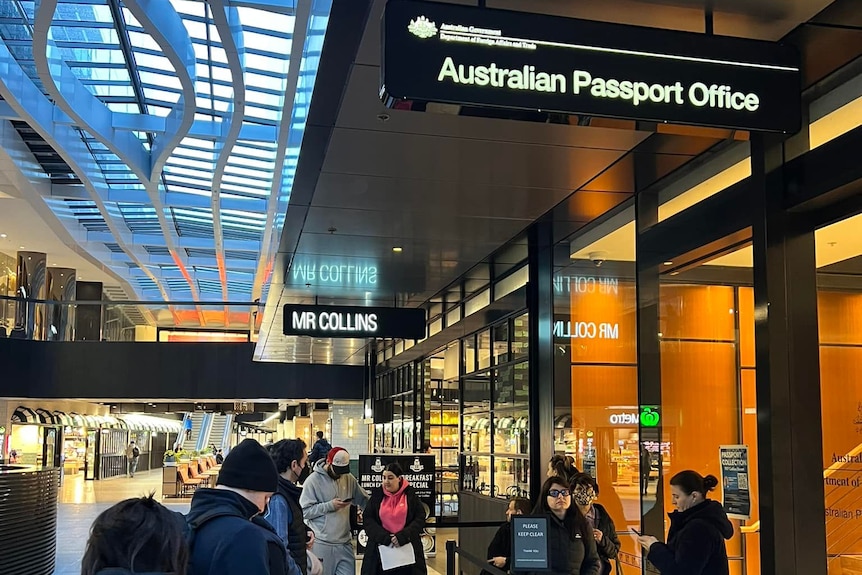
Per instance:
(529,543)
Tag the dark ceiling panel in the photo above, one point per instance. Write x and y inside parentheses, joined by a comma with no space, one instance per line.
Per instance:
(495,163)
(415,195)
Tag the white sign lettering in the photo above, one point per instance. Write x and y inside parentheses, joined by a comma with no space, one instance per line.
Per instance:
(635,92)
(582,284)
(624,419)
(586,330)
(334,321)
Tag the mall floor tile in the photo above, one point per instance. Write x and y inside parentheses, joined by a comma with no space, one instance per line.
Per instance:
(80,502)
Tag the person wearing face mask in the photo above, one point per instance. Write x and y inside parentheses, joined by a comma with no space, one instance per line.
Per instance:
(698,530)
(394,517)
(585,490)
(326,498)
(285,512)
(227,533)
(571,543)
(500,548)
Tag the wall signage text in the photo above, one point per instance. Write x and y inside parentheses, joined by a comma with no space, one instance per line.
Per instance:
(355,322)
(334,274)
(586,330)
(437,52)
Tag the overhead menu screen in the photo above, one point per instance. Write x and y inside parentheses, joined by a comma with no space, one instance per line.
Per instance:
(356,322)
(437,52)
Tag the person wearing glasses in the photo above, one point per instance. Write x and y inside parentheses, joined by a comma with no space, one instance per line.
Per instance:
(585,490)
(571,543)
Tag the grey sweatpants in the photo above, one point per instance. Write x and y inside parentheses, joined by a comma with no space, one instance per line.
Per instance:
(337,559)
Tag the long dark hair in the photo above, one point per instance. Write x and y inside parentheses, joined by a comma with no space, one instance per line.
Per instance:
(575,522)
(139,535)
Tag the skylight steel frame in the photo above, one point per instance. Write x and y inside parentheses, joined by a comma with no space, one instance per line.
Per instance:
(205,154)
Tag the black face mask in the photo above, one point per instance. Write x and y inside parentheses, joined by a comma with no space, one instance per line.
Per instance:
(303,475)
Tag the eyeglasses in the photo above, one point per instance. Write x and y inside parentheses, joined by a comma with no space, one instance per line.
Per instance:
(558,493)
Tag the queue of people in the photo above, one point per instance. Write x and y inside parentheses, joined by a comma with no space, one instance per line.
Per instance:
(257,520)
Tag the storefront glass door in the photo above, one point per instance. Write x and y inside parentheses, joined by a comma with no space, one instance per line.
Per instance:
(839,310)
(707,414)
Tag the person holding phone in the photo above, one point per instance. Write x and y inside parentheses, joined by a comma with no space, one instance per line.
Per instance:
(698,530)
(394,517)
(326,498)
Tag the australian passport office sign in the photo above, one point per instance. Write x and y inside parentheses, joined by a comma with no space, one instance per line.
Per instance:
(436,52)
(357,322)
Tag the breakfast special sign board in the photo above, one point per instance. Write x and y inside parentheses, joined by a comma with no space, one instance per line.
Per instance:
(436,52)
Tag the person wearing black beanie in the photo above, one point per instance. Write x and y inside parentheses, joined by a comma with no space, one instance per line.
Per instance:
(228,533)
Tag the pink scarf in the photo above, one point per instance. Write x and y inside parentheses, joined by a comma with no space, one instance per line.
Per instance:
(393,509)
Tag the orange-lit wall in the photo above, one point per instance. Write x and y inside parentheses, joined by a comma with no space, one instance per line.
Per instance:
(840,327)
(707,387)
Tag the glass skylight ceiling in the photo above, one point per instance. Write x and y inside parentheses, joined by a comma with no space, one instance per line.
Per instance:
(193,133)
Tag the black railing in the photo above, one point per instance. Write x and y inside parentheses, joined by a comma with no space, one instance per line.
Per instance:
(453,550)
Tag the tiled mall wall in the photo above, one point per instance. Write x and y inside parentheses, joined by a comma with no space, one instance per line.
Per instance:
(341,414)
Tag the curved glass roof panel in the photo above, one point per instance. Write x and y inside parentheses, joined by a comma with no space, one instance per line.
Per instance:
(178,148)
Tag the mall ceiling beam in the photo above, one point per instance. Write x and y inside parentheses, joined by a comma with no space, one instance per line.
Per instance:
(278,201)
(129,57)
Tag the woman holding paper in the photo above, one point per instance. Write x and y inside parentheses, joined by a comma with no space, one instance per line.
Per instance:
(393,520)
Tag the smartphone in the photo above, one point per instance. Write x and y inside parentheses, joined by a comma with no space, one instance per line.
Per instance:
(348,500)
(636,532)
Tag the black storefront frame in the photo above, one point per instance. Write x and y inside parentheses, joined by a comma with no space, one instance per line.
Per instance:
(777,210)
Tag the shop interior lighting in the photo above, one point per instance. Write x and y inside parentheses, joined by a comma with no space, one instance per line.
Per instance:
(397,249)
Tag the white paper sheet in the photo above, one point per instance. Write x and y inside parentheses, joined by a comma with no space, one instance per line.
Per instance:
(394,557)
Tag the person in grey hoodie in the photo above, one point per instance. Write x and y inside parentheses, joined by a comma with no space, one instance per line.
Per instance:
(326,498)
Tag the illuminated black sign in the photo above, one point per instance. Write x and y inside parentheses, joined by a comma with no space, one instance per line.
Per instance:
(359,322)
(436,52)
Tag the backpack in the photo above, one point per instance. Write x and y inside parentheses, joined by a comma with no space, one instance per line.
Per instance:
(135,451)
(191,526)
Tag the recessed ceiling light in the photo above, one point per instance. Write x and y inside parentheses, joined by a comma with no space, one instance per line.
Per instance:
(668,263)
(397,249)
(20,247)
(3,236)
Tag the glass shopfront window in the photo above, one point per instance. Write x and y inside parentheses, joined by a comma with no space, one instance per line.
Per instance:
(596,385)
(495,399)
(633,426)
(839,309)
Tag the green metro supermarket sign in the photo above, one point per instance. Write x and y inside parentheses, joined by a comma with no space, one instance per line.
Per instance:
(649,417)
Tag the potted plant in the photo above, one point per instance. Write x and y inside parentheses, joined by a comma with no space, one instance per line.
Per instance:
(170,458)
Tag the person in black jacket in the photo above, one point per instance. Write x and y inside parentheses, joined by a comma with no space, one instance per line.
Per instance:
(500,549)
(285,512)
(228,534)
(395,517)
(585,490)
(136,536)
(698,529)
(571,544)
(320,449)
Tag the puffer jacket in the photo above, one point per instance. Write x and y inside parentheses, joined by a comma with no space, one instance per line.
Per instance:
(695,542)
